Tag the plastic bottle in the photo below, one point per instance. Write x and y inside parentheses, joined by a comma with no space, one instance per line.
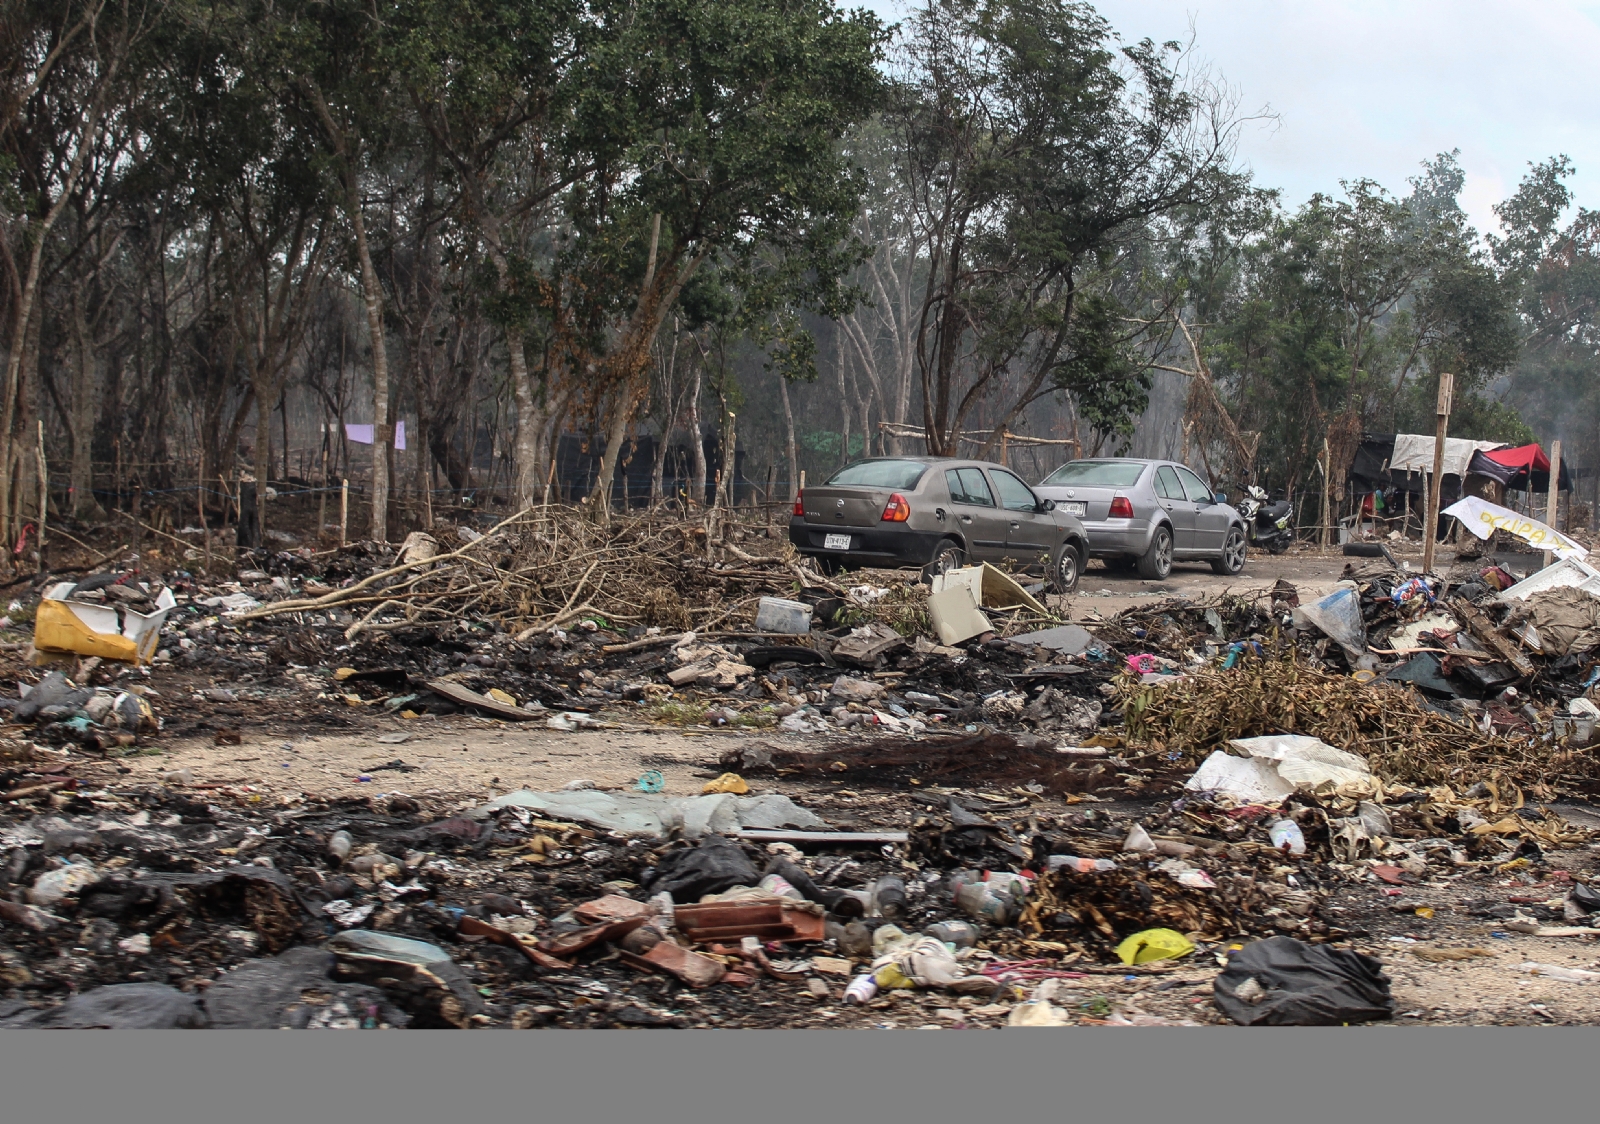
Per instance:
(958,933)
(1079,865)
(340,845)
(1287,834)
(862,989)
(1017,885)
(961,878)
(889,897)
(985,902)
(840,903)
(863,903)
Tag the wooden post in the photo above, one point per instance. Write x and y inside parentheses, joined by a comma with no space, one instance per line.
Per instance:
(44,495)
(1550,507)
(766,500)
(1447,385)
(322,496)
(1327,483)
(344,511)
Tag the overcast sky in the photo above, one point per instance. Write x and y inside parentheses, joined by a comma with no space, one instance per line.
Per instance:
(1369,88)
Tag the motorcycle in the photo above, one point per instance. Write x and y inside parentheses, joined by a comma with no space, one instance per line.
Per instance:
(1271,524)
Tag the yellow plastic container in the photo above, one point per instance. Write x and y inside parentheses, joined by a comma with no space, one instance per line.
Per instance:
(56,628)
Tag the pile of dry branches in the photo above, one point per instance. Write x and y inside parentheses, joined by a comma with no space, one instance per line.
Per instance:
(550,567)
(1401,737)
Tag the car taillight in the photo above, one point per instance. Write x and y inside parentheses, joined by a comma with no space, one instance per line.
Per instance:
(897,510)
(799,503)
(1121,508)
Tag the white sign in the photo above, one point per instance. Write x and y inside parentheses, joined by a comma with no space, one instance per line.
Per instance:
(1483,519)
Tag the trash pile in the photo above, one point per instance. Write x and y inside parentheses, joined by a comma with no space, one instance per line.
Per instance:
(1055,817)
(1432,680)
(191,905)
(553,617)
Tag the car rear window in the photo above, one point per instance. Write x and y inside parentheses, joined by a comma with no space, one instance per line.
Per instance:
(1107,474)
(880,474)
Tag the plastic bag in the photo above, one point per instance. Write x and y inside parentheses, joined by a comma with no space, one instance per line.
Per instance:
(1154,944)
(714,866)
(1284,982)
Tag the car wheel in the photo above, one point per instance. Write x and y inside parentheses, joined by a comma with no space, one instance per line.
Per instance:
(1157,561)
(1066,567)
(947,556)
(1234,551)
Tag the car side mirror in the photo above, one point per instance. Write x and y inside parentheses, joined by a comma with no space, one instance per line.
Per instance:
(1047,505)
(1222,497)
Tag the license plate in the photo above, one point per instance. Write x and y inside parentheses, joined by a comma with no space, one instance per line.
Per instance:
(1078,509)
(836,542)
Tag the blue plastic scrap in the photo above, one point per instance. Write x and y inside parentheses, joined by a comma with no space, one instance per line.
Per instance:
(1411,588)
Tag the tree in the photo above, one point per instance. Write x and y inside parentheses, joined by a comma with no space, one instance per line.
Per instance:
(1037,151)
(714,135)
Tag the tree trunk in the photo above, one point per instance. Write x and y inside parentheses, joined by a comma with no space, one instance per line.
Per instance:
(83,504)
(382,437)
(372,297)
(621,421)
(659,463)
(844,399)
(697,442)
(788,434)
(633,364)
(530,425)
(265,397)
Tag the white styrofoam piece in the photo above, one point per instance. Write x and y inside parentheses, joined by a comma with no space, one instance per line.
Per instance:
(1569,572)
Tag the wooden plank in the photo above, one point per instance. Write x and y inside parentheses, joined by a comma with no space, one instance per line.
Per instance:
(455,692)
(1484,632)
(823,836)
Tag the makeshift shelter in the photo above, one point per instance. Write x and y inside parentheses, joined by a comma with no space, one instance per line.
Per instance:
(1388,462)
(1402,462)
(1523,468)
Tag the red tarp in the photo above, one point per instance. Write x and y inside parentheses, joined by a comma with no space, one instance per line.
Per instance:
(1523,457)
(1524,468)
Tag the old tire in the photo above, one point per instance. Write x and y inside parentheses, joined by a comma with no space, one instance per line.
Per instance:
(1066,567)
(947,556)
(1234,552)
(1156,562)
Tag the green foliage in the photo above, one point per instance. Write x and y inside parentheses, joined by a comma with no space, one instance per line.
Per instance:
(1038,152)
(1348,308)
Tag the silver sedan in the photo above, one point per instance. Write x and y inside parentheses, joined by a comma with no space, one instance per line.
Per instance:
(1148,514)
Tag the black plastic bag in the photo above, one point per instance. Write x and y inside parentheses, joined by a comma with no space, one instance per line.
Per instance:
(1586,897)
(717,864)
(130,1006)
(1284,982)
(293,990)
